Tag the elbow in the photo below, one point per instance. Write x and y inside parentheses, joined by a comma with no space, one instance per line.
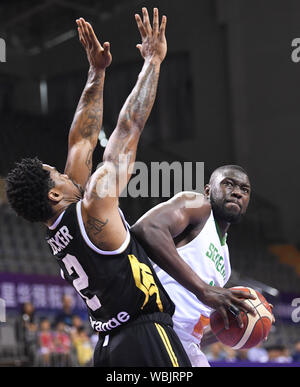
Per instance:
(130,122)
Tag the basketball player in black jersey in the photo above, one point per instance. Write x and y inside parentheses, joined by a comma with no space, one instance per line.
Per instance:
(87,233)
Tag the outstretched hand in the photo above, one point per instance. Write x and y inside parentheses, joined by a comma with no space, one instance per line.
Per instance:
(99,57)
(154,43)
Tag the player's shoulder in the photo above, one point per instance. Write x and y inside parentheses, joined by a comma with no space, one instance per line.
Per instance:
(194,206)
(195,198)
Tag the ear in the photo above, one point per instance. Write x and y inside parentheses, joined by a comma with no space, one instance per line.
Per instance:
(55,195)
(207,190)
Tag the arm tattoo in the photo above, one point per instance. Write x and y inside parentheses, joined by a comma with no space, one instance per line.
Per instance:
(140,102)
(135,112)
(95,226)
(89,161)
(88,117)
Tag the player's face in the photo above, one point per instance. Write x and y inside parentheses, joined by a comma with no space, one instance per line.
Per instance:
(63,183)
(230,195)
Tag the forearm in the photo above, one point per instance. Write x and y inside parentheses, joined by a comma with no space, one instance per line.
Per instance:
(208,338)
(124,140)
(138,105)
(159,246)
(88,117)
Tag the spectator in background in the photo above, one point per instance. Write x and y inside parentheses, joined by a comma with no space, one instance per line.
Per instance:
(232,355)
(285,356)
(296,352)
(45,344)
(26,331)
(279,354)
(62,343)
(83,346)
(258,354)
(76,324)
(216,352)
(67,313)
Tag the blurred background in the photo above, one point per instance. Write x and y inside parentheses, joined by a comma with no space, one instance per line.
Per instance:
(228,94)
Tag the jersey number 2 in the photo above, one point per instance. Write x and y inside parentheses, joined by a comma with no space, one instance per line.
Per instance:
(82,282)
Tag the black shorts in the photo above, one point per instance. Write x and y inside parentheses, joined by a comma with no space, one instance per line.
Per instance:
(148,341)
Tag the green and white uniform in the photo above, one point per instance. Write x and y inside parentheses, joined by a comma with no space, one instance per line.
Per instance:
(207,254)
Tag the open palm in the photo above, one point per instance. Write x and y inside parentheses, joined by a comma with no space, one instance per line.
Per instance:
(99,57)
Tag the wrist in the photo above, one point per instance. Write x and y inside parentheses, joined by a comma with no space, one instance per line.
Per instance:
(153,60)
(95,71)
(201,291)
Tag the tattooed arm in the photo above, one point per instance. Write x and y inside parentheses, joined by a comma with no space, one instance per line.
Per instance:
(87,121)
(100,204)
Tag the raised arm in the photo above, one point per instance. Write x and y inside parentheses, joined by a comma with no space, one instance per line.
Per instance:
(87,121)
(100,203)
(122,146)
(156,231)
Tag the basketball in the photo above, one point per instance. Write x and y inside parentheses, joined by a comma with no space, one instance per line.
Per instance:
(256,328)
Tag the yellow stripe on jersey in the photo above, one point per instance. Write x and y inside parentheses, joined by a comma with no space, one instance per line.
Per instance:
(144,280)
(167,344)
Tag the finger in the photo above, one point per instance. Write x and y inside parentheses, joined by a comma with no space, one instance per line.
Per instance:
(240,321)
(81,39)
(155,21)
(85,33)
(237,314)
(146,21)
(93,36)
(79,27)
(140,26)
(245,307)
(234,310)
(139,47)
(163,26)
(223,313)
(106,47)
(243,294)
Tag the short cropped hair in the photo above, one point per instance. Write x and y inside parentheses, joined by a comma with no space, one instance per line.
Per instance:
(226,167)
(27,187)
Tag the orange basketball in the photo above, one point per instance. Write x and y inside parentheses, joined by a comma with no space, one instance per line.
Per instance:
(256,328)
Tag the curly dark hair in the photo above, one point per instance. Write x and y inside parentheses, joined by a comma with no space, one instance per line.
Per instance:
(27,187)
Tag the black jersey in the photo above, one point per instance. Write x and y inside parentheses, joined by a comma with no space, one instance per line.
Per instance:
(117,286)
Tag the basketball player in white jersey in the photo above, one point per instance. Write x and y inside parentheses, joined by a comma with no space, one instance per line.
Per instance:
(191,229)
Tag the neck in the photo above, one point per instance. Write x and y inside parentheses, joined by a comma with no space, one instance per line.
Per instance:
(57,211)
(223,226)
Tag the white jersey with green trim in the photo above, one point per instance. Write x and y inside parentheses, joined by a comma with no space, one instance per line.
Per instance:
(208,256)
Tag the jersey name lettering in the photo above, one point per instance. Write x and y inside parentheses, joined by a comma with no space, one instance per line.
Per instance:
(213,254)
(60,240)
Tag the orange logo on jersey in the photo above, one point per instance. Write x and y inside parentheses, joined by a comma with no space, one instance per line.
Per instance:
(199,327)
